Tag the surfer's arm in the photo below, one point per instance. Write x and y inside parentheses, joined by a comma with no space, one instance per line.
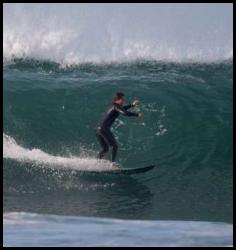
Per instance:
(123,111)
(126,107)
(135,103)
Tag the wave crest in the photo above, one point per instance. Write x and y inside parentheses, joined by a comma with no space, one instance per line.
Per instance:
(74,34)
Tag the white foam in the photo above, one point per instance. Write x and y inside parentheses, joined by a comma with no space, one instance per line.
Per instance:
(11,150)
(54,230)
(78,33)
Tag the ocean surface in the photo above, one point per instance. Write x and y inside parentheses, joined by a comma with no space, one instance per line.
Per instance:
(54,190)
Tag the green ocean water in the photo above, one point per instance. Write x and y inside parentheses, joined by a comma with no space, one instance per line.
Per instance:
(51,111)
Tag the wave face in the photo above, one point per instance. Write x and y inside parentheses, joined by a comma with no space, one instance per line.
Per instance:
(50,115)
(62,66)
(78,33)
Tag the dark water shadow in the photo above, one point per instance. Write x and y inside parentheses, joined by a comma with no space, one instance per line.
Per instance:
(40,190)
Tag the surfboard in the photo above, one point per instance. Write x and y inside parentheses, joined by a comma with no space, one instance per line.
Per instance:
(128,171)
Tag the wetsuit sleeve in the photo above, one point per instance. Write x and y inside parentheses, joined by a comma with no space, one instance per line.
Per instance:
(126,107)
(123,111)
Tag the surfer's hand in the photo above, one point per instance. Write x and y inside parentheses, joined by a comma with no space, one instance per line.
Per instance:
(136,102)
(140,114)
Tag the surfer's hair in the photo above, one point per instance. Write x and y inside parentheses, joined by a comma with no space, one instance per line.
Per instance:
(117,96)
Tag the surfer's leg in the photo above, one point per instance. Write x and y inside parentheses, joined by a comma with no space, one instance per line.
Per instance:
(111,139)
(114,152)
(104,147)
(103,143)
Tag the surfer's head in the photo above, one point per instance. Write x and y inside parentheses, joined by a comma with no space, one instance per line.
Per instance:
(119,98)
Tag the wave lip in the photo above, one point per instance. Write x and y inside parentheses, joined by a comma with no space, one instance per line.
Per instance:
(74,34)
(127,54)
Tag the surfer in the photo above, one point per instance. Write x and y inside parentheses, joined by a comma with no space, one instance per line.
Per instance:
(103,132)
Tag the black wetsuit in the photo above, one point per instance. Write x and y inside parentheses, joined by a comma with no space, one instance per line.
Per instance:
(103,132)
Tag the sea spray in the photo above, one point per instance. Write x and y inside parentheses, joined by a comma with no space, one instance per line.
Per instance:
(78,33)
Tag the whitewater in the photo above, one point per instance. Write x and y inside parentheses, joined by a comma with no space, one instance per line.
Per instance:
(106,33)
(11,150)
